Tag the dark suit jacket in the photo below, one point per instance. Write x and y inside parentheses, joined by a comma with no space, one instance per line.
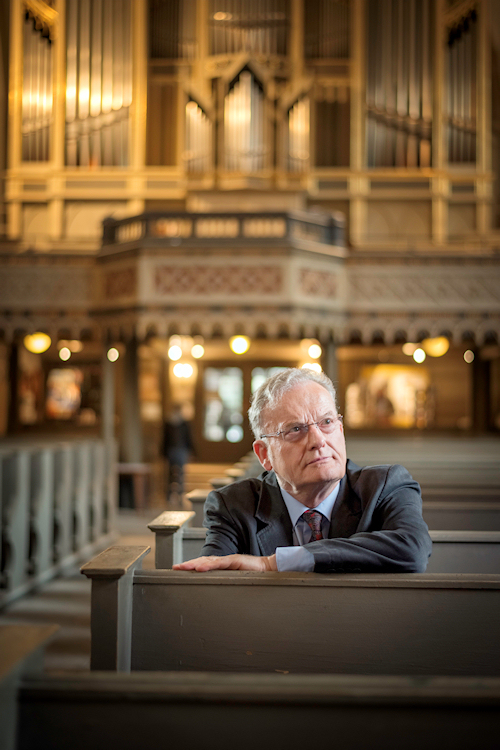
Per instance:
(376,525)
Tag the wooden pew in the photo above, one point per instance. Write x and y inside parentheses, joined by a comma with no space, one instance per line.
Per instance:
(464,552)
(245,711)
(452,551)
(291,622)
(21,651)
(470,515)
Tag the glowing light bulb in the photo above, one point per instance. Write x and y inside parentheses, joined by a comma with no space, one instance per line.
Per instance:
(113,354)
(37,343)
(64,353)
(315,351)
(175,352)
(239,344)
(419,355)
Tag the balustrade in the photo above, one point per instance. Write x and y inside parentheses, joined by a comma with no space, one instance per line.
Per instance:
(57,505)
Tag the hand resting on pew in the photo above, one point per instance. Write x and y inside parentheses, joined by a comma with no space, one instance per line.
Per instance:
(230,562)
(312,509)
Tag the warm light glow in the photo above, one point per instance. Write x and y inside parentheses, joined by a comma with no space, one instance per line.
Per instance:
(469,356)
(409,348)
(436,347)
(315,351)
(197,351)
(37,342)
(73,345)
(175,352)
(64,353)
(183,370)
(113,354)
(419,355)
(312,366)
(221,16)
(239,344)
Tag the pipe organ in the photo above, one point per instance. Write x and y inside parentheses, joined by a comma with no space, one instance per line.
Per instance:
(198,139)
(327,29)
(399,83)
(98,82)
(172,29)
(37,97)
(298,136)
(246,25)
(461,89)
(245,142)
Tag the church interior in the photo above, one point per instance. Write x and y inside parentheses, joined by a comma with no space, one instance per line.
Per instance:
(195,195)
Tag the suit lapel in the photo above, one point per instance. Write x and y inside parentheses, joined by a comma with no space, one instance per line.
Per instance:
(347,511)
(272,516)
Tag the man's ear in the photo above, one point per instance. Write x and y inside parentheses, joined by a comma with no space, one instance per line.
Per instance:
(261,450)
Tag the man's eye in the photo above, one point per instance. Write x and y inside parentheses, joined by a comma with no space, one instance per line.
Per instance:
(327,420)
(295,429)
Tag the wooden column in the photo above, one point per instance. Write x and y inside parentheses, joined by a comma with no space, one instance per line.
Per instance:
(131,428)
(139,109)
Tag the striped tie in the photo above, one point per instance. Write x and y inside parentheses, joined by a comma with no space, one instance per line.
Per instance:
(313,520)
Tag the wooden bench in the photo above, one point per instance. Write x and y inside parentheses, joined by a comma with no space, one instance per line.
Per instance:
(245,711)
(452,551)
(291,622)
(21,651)
(470,515)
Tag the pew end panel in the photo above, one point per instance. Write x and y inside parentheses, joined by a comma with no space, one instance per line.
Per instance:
(111,573)
(168,529)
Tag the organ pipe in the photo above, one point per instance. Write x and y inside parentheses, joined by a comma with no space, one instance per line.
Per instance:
(37,98)
(244,134)
(326,29)
(98,82)
(198,139)
(298,136)
(399,83)
(461,101)
(247,25)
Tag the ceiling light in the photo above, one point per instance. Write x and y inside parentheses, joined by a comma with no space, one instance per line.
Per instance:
(419,355)
(37,343)
(239,344)
(436,347)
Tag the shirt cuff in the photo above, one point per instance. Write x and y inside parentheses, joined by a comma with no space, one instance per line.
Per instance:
(294,558)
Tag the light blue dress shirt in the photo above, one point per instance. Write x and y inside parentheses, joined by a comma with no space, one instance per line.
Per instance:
(297,557)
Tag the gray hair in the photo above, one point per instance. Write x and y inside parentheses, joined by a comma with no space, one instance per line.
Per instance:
(270,392)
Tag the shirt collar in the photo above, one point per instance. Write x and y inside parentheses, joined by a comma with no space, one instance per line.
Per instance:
(296,509)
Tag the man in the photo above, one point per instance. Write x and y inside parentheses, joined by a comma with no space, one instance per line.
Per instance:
(370,519)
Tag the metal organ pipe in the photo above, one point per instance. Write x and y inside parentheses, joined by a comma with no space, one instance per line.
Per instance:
(399,95)
(98,82)
(37,99)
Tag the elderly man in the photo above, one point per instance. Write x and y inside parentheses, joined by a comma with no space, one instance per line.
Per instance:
(312,509)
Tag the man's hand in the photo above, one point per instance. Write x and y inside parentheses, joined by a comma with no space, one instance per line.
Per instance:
(229,562)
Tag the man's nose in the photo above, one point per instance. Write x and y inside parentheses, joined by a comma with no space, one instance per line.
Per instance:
(315,435)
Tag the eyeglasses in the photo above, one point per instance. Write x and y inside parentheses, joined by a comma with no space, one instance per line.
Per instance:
(296,432)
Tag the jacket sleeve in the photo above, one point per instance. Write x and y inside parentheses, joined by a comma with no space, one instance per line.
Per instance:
(396,539)
(224,534)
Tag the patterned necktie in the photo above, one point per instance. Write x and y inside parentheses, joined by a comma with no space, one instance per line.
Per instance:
(313,520)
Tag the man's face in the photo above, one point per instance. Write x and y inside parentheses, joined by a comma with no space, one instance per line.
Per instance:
(310,467)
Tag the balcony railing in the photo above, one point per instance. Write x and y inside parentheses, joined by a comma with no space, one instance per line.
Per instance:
(200,229)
